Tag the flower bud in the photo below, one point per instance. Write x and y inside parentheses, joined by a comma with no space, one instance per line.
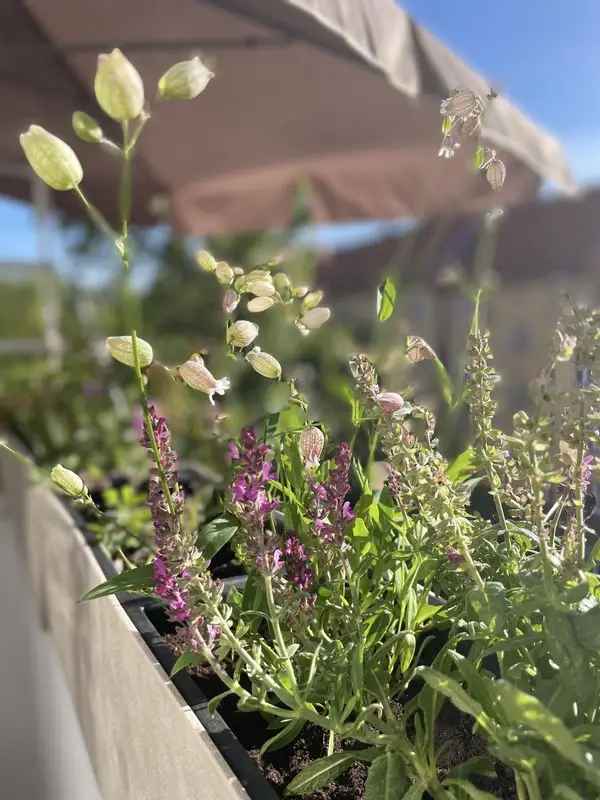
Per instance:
(496,174)
(258,304)
(310,444)
(206,261)
(312,300)
(121,349)
(283,285)
(300,291)
(389,402)
(260,288)
(118,87)
(231,301)
(68,481)
(315,318)
(197,376)
(86,127)
(51,159)
(224,273)
(242,333)
(417,350)
(463,103)
(264,363)
(185,80)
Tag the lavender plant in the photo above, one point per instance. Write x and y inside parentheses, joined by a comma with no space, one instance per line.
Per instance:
(367,611)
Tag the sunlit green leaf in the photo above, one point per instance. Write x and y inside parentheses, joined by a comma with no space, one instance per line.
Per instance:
(386,299)
(139,580)
(387,777)
(215,535)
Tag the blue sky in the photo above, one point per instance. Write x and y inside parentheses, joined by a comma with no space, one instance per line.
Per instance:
(543,54)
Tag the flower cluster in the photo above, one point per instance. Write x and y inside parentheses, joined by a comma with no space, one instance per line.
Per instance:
(330,510)
(297,566)
(166,586)
(253,469)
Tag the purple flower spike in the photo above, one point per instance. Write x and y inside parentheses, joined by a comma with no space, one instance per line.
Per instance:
(330,509)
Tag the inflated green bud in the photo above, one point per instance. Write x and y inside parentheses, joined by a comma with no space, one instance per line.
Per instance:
(121,349)
(86,127)
(185,80)
(259,304)
(68,481)
(206,261)
(312,300)
(51,159)
(224,273)
(283,285)
(118,86)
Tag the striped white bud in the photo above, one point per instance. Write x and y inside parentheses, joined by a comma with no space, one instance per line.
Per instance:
(312,300)
(260,287)
(121,349)
(417,350)
(224,273)
(231,301)
(315,317)
(496,174)
(258,304)
(264,363)
(206,261)
(310,444)
(390,402)
(242,333)
(184,80)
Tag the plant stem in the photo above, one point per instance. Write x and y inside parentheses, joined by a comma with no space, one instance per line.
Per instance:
(274,618)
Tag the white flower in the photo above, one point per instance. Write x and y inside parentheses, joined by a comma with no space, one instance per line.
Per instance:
(118,86)
(51,159)
(197,376)
(121,349)
(185,80)
(242,333)
(264,363)
(310,444)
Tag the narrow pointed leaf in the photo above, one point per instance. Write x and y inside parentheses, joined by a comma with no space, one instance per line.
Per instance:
(139,580)
(320,773)
(386,300)
(215,535)
(387,778)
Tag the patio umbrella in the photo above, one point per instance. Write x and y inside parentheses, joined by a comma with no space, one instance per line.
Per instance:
(342,94)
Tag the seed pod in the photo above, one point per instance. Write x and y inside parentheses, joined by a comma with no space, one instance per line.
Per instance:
(51,159)
(315,318)
(496,174)
(86,127)
(224,273)
(310,444)
(231,301)
(312,300)
(264,363)
(118,87)
(390,402)
(462,103)
(197,376)
(258,304)
(417,350)
(121,349)
(242,333)
(206,261)
(67,480)
(184,80)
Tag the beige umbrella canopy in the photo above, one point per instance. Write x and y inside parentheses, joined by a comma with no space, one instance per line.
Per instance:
(344,94)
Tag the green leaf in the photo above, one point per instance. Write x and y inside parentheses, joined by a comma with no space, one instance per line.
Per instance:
(186,659)
(478,765)
(320,773)
(462,467)
(414,793)
(562,792)
(524,709)
(468,788)
(444,381)
(386,300)
(215,535)
(140,579)
(454,692)
(286,735)
(214,702)
(386,778)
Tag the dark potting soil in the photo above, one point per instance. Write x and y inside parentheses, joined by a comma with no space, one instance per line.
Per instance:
(454,737)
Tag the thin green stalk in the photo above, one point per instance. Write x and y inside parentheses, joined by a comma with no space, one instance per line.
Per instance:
(274,617)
